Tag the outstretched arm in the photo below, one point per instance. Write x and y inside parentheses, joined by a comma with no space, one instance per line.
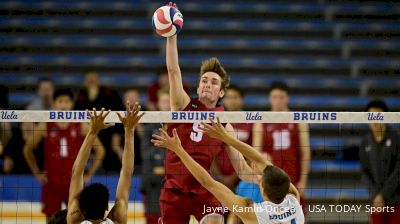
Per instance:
(179,98)
(119,212)
(97,123)
(233,202)
(242,168)
(216,130)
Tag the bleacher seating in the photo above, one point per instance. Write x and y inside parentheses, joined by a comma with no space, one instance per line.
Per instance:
(335,55)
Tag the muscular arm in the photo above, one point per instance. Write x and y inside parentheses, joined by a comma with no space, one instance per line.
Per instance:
(74,215)
(119,212)
(31,145)
(243,170)
(178,97)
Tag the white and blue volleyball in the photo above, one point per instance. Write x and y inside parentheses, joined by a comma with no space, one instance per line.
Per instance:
(167,21)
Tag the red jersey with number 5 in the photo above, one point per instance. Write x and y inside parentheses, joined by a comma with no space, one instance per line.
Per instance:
(282,142)
(61,147)
(200,147)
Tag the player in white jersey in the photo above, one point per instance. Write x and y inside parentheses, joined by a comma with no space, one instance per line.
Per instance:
(281,203)
(89,204)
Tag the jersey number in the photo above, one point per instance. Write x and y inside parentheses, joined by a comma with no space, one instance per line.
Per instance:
(281,139)
(196,135)
(63,147)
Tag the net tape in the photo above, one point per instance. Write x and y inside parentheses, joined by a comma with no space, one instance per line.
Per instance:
(204,116)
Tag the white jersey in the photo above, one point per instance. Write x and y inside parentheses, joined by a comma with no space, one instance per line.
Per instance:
(289,211)
(105,221)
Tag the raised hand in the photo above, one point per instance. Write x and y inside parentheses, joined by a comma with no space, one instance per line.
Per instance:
(171,4)
(214,130)
(163,140)
(132,117)
(97,120)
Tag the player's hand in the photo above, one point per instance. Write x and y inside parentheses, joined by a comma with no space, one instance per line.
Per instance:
(171,4)
(132,116)
(41,177)
(97,120)
(163,140)
(214,130)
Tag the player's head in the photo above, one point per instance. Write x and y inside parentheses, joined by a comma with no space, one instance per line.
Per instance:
(132,95)
(275,184)
(93,201)
(279,96)
(213,81)
(91,79)
(233,100)
(45,88)
(163,102)
(376,105)
(60,217)
(63,99)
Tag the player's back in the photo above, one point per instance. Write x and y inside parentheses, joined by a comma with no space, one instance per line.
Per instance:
(199,146)
(61,147)
(281,142)
(289,211)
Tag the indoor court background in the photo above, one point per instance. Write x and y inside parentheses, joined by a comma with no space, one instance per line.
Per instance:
(334,56)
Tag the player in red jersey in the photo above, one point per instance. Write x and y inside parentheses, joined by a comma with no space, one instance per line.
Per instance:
(182,195)
(286,145)
(61,145)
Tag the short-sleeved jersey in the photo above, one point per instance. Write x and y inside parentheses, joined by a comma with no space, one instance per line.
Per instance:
(243,132)
(200,147)
(61,146)
(282,142)
(289,211)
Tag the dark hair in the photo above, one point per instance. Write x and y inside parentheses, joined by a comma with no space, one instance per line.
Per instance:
(93,201)
(280,86)
(276,183)
(377,103)
(59,217)
(44,79)
(236,89)
(162,70)
(63,92)
(89,71)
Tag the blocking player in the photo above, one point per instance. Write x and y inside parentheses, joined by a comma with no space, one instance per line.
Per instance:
(89,205)
(61,145)
(281,198)
(182,195)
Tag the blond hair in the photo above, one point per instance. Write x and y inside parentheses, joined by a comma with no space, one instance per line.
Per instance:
(213,65)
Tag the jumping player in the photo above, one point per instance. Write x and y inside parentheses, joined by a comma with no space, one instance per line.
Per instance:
(89,205)
(281,198)
(61,145)
(182,195)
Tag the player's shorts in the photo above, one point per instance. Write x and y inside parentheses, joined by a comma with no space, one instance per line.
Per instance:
(176,206)
(52,197)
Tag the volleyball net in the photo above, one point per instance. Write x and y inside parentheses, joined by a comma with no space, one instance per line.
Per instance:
(335,190)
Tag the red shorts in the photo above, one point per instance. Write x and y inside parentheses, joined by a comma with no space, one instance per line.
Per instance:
(52,197)
(176,207)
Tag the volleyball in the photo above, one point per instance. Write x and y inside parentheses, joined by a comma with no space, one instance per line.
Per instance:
(167,21)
